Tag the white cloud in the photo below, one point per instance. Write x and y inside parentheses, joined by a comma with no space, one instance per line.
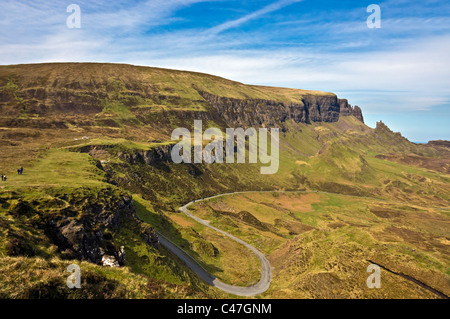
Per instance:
(414,77)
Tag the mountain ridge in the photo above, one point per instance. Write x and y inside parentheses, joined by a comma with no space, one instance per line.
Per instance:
(91,89)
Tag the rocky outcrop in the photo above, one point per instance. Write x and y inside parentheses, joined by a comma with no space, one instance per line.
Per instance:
(114,261)
(321,108)
(89,236)
(83,95)
(155,155)
(255,112)
(346,109)
(149,157)
(148,234)
(387,136)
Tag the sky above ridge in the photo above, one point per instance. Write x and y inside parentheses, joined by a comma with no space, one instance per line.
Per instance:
(398,73)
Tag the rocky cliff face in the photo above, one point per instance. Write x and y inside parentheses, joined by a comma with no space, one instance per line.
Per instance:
(382,131)
(86,95)
(89,237)
(321,108)
(81,224)
(346,109)
(155,155)
(255,112)
(259,112)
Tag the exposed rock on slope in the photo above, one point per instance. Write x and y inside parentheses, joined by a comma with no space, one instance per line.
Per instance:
(256,112)
(84,229)
(87,238)
(155,155)
(347,110)
(395,138)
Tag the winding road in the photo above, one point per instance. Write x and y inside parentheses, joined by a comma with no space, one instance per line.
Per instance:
(266,274)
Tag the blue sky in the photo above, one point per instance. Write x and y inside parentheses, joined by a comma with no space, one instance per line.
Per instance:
(398,73)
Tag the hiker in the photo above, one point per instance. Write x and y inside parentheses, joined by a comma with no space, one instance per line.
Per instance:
(21,170)
(18,171)
(2,177)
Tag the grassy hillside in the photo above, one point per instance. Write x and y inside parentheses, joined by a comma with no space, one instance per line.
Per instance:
(320,244)
(174,79)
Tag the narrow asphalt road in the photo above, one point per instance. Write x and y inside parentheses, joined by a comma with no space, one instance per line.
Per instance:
(266,275)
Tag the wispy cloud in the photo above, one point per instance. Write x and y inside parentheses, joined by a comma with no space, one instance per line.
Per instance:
(251,16)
